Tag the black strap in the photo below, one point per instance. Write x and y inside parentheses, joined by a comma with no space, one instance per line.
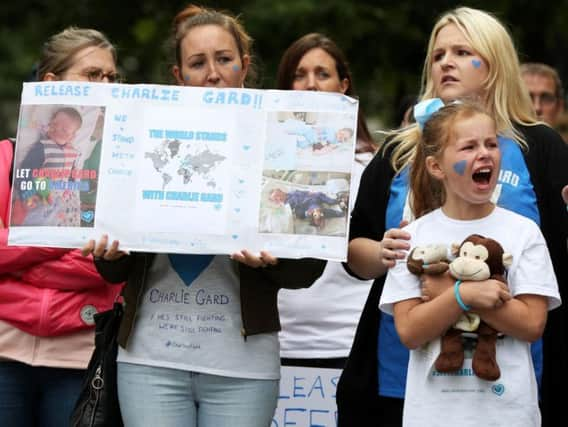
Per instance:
(13,141)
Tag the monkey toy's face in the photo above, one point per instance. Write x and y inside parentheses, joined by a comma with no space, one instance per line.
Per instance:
(429,253)
(431,259)
(471,263)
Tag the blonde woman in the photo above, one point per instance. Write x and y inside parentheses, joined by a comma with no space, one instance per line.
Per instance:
(470,55)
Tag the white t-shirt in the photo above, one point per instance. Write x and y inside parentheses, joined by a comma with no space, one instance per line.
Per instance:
(192,322)
(320,321)
(461,398)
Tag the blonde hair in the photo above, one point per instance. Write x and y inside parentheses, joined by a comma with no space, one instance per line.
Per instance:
(506,98)
(59,51)
(427,193)
(194,16)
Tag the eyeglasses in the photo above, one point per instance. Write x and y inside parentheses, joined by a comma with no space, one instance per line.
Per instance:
(98,75)
(545,98)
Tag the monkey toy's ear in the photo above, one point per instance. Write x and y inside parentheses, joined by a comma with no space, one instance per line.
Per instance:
(507,259)
(455,249)
(415,266)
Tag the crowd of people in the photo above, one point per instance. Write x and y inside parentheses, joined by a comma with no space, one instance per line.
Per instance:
(476,155)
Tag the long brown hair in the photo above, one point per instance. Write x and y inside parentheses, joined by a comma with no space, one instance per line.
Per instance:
(426,192)
(289,63)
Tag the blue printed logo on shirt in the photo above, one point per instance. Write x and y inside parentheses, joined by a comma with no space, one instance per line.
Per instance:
(189,267)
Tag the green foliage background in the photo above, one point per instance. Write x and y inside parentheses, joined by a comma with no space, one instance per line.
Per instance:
(385,41)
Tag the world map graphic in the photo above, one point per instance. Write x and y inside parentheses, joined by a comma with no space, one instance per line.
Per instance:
(184,162)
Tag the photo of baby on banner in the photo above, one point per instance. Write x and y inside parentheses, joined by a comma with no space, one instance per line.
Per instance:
(303,202)
(56,165)
(297,139)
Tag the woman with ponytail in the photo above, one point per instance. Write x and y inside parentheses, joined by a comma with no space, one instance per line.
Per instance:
(199,339)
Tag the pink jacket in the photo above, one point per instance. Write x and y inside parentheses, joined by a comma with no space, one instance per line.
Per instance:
(46,291)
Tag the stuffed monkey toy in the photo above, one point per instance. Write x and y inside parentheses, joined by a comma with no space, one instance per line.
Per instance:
(478,258)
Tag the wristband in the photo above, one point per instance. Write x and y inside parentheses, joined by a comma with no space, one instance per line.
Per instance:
(462,305)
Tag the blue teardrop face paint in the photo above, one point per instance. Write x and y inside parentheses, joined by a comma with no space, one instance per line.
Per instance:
(476,63)
(236,68)
(459,167)
(186,78)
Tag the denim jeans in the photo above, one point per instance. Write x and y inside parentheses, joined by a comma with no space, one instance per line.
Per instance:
(151,396)
(36,396)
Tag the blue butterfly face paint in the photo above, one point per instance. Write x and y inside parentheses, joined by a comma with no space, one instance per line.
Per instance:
(476,63)
(459,167)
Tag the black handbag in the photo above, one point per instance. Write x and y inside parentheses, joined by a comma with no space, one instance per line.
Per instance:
(97,405)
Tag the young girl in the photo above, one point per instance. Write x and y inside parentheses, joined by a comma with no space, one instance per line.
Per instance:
(458,157)
(471,55)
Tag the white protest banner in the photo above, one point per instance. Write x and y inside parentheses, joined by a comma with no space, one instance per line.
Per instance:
(307,397)
(183,169)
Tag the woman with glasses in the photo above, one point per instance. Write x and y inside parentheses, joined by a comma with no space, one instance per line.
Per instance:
(78,54)
(48,296)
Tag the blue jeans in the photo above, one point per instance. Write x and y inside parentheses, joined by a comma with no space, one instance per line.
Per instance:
(36,396)
(151,396)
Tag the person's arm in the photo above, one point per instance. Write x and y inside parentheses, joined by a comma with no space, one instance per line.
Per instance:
(112,264)
(557,178)
(18,258)
(71,272)
(295,273)
(534,284)
(565,194)
(432,285)
(419,322)
(370,259)
(372,251)
(546,158)
(522,317)
(283,272)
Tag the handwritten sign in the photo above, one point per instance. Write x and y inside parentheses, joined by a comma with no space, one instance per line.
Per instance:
(184,170)
(307,397)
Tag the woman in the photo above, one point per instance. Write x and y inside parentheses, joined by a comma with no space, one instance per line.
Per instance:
(199,344)
(48,296)
(318,323)
(470,55)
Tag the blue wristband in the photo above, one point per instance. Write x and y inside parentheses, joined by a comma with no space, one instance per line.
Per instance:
(463,305)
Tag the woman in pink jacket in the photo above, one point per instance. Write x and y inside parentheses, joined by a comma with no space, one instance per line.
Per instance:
(48,296)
